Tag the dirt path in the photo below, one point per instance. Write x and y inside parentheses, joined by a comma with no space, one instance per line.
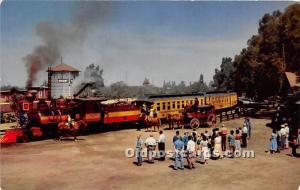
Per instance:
(98,162)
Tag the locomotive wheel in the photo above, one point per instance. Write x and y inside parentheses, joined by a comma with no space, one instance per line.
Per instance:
(195,123)
(23,139)
(211,120)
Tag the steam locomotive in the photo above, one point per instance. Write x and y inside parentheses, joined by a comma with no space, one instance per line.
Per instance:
(39,119)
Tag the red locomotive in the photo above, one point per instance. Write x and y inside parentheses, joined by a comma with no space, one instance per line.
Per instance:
(42,117)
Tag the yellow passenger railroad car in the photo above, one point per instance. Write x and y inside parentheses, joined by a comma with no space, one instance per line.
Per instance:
(174,103)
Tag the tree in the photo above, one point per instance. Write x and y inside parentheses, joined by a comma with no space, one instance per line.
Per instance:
(260,67)
(223,78)
(289,34)
(94,74)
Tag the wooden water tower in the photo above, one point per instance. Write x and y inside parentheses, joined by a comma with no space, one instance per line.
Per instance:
(60,81)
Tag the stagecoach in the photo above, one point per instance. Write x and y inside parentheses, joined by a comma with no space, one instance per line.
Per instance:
(197,116)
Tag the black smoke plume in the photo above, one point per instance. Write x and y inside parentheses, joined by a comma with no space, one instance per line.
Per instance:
(56,36)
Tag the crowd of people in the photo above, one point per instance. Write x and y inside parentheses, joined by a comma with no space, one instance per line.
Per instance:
(279,140)
(192,146)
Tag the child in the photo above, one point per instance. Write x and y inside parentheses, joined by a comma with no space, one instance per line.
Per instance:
(273,142)
(237,140)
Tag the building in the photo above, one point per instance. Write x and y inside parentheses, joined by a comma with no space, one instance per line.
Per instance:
(41,92)
(60,81)
(293,80)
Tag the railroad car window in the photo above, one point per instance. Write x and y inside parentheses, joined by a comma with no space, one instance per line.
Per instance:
(178,104)
(158,106)
(182,104)
(163,106)
(173,105)
(168,105)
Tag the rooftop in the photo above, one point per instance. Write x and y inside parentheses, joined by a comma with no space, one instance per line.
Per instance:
(293,80)
(62,68)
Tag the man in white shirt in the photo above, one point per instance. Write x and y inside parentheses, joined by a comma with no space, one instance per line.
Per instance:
(150,143)
(191,150)
(282,137)
(244,136)
(287,131)
(161,145)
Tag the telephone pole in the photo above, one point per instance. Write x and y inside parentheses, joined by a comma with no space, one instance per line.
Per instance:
(283,58)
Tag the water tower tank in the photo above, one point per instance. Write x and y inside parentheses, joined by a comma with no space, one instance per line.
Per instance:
(60,80)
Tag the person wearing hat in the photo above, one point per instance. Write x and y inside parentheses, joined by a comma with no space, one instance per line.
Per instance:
(223,136)
(282,137)
(144,108)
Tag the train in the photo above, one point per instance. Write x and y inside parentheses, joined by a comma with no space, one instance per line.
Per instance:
(43,116)
(173,104)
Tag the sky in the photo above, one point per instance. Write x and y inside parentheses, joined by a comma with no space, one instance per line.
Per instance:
(163,41)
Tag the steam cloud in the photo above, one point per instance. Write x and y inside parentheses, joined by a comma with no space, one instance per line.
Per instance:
(55,37)
(94,74)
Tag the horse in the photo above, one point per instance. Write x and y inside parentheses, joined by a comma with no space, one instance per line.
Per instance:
(67,129)
(150,122)
(175,119)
